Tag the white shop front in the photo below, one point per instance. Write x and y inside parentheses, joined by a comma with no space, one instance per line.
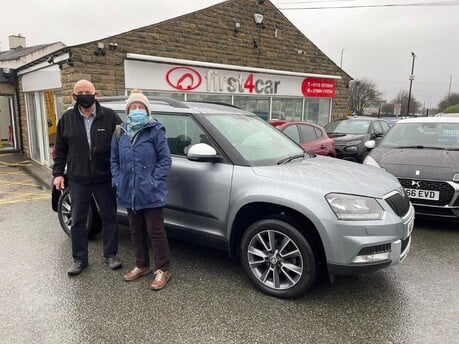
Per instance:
(271,94)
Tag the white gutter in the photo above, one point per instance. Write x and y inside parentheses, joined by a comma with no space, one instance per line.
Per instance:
(45,64)
(150,58)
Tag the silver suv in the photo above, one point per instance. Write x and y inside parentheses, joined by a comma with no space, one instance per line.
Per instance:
(239,184)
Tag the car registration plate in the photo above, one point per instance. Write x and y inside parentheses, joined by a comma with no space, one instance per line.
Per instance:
(423,194)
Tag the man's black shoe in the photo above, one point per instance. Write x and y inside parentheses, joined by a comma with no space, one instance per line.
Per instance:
(76,268)
(113,262)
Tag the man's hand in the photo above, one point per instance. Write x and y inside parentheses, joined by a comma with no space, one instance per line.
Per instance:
(59,183)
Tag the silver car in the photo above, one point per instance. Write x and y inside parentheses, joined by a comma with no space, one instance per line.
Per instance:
(239,184)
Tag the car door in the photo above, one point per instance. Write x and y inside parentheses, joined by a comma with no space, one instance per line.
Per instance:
(199,192)
(311,139)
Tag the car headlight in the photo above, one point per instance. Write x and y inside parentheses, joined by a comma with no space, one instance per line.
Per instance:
(370,161)
(352,207)
(353,143)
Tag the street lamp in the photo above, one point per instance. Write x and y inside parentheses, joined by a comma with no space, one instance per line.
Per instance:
(341,61)
(449,90)
(411,83)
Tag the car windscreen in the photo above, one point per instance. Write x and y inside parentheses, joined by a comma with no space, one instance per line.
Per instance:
(423,135)
(256,141)
(350,126)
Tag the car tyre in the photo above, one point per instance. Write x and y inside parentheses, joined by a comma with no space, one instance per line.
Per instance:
(93,222)
(278,258)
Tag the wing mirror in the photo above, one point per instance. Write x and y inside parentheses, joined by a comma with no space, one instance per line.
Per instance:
(370,144)
(202,152)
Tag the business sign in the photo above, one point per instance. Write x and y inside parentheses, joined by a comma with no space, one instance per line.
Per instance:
(169,77)
(318,87)
(397,109)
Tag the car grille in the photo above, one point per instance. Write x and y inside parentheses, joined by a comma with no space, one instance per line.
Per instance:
(399,204)
(446,191)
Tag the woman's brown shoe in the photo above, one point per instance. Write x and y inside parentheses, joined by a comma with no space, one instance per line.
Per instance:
(161,279)
(136,273)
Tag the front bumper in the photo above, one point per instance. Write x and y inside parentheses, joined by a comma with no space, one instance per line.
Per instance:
(380,246)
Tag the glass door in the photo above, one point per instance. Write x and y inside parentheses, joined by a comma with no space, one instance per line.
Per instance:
(8,138)
(38,125)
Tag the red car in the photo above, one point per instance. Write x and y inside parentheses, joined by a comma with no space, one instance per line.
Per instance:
(312,137)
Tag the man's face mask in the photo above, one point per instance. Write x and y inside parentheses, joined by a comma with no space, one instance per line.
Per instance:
(85,100)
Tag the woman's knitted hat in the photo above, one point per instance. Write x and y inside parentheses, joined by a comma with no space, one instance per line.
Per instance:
(137,96)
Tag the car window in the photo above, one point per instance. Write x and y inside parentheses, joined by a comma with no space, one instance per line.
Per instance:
(181,132)
(292,132)
(349,126)
(377,128)
(308,132)
(435,135)
(385,126)
(319,133)
(257,141)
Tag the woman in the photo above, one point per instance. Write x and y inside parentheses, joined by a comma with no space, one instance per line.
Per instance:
(140,164)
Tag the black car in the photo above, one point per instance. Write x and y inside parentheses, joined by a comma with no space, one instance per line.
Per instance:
(351,133)
(423,153)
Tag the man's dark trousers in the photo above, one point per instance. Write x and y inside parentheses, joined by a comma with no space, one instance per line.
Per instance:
(106,200)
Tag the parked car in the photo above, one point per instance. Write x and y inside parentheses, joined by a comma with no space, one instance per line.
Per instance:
(423,153)
(310,136)
(239,184)
(351,133)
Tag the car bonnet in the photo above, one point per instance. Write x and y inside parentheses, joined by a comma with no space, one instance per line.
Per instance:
(333,175)
(418,163)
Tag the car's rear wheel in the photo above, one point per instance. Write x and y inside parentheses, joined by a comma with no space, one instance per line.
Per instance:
(278,259)
(64,213)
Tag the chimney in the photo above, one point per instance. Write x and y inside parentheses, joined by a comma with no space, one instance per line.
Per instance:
(17,42)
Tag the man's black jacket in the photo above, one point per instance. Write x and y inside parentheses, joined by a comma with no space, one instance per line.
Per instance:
(72,149)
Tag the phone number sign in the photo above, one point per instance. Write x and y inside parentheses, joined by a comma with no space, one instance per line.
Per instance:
(318,87)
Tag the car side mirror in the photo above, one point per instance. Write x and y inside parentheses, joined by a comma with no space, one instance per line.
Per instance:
(203,152)
(370,144)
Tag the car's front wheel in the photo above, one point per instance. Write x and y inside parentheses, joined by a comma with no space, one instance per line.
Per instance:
(64,213)
(278,259)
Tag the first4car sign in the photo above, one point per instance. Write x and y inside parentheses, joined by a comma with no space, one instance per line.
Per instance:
(163,76)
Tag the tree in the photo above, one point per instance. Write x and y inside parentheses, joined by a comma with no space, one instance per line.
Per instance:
(387,108)
(402,99)
(361,94)
(447,101)
(452,109)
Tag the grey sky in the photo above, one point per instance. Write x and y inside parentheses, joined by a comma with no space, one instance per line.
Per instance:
(378,41)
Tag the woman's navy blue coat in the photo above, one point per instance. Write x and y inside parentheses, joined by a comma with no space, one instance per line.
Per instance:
(140,167)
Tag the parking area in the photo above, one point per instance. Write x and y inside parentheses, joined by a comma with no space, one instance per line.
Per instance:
(16,185)
(209,299)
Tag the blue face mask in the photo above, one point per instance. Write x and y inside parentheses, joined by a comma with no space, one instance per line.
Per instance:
(137,116)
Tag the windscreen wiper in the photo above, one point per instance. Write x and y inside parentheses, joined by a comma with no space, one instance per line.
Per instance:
(290,158)
(422,147)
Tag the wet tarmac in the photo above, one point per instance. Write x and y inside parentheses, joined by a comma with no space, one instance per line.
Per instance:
(209,299)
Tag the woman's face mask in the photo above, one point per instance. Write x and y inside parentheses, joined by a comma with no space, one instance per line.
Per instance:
(138,115)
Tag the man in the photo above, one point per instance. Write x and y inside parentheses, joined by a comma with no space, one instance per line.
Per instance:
(83,141)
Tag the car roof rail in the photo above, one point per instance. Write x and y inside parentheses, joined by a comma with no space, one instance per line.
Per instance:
(171,101)
(215,103)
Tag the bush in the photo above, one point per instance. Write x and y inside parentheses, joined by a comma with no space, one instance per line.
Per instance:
(452,109)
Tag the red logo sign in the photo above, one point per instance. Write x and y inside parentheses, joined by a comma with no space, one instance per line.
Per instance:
(183,78)
(318,87)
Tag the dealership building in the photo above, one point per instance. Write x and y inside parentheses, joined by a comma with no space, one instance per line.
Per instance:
(242,52)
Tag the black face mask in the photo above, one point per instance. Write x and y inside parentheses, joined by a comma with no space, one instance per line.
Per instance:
(85,100)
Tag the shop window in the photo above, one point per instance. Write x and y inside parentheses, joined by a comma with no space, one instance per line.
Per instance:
(173,95)
(259,106)
(317,110)
(287,109)
(217,98)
